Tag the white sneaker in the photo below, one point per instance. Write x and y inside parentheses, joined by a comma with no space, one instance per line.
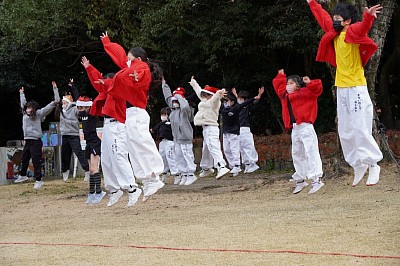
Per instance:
(359,174)
(38,185)
(252,168)
(65,175)
(299,187)
(206,172)
(315,186)
(177,179)
(190,179)
(134,196)
(98,197)
(87,176)
(373,175)
(164,176)
(114,198)
(221,172)
(90,198)
(151,187)
(183,180)
(235,170)
(21,179)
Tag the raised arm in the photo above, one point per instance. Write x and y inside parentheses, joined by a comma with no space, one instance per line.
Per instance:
(55,92)
(314,85)
(279,83)
(95,77)
(216,98)
(323,18)
(74,90)
(362,28)
(196,87)
(167,93)
(22,98)
(115,51)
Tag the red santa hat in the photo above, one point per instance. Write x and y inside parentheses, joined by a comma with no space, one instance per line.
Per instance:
(210,90)
(67,98)
(180,91)
(84,101)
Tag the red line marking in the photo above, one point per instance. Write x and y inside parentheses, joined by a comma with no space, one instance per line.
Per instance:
(209,249)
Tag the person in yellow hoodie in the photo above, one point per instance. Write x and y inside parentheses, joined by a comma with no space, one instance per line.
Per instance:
(207,117)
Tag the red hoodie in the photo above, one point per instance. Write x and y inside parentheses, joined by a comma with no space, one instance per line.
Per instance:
(356,33)
(105,104)
(131,89)
(303,101)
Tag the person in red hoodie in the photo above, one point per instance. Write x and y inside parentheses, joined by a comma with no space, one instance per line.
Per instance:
(117,171)
(132,84)
(346,46)
(298,97)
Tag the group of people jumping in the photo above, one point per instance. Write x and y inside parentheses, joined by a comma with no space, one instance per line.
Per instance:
(128,152)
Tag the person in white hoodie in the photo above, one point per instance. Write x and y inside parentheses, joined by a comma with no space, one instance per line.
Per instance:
(207,117)
(32,118)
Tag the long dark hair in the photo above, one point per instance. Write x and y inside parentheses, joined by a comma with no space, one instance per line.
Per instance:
(155,70)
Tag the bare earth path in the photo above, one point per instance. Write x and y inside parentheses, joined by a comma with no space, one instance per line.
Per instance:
(246,220)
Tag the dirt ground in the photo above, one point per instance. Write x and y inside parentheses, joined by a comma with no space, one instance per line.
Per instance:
(246,220)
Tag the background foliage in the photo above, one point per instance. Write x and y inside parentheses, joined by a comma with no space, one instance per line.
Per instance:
(229,43)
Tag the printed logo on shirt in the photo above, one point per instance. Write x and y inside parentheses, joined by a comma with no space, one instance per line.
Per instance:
(230,114)
(84,118)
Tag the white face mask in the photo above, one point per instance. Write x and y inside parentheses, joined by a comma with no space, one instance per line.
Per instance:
(164,118)
(129,62)
(240,101)
(175,105)
(227,105)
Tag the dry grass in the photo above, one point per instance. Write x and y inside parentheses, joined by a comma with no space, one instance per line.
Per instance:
(248,213)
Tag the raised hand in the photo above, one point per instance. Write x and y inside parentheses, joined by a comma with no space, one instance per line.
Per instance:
(306,79)
(281,71)
(222,93)
(71,81)
(104,35)
(234,92)
(21,90)
(54,84)
(374,10)
(85,62)
(261,90)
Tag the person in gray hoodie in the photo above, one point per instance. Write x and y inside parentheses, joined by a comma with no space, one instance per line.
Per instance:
(181,117)
(32,118)
(69,128)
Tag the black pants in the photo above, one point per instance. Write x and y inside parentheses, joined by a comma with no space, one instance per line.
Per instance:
(69,144)
(32,149)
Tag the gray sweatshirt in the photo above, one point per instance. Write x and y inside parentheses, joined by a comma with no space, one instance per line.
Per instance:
(69,124)
(31,126)
(180,118)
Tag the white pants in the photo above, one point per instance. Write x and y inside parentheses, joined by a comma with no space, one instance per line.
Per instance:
(305,153)
(355,114)
(247,148)
(185,158)
(145,159)
(167,152)
(117,170)
(211,153)
(231,144)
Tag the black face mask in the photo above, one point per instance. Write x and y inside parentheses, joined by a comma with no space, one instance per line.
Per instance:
(337,25)
(82,113)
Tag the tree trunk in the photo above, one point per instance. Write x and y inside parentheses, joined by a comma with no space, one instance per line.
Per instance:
(389,68)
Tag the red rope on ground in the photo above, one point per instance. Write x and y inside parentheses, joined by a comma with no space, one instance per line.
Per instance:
(208,249)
